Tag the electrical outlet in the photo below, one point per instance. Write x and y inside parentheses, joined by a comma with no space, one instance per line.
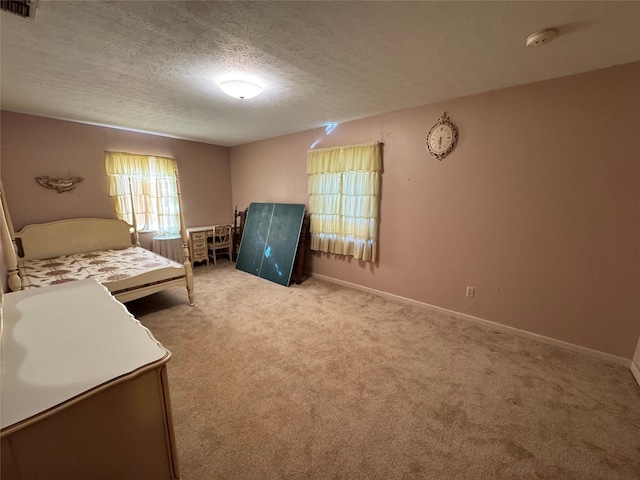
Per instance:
(471,292)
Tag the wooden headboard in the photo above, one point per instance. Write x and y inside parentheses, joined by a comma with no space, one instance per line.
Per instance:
(77,235)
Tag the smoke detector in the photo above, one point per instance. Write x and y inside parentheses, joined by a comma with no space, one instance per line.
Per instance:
(541,37)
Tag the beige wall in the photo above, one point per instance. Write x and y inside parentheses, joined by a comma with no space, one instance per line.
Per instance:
(538,207)
(34,146)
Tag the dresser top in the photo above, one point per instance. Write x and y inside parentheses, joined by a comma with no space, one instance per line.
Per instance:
(62,341)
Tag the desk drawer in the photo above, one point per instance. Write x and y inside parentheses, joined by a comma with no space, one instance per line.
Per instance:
(199,254)
(196,236)
(199,245)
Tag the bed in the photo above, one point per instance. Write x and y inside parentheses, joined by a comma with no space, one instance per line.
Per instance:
(107,250)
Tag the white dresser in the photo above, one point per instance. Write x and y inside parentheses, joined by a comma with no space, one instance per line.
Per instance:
(84,389)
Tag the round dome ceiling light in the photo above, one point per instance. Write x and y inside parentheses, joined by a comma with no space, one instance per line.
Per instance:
(242,89)
(541,37)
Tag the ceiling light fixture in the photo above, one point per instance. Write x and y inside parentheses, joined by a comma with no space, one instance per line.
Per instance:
(238,88)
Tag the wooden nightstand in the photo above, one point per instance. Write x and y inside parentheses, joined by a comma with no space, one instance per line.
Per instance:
(198,243)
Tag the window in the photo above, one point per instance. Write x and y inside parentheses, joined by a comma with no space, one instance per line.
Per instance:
(344,184)
(145,187)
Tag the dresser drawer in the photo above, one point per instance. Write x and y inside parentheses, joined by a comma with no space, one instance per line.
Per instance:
(198,236)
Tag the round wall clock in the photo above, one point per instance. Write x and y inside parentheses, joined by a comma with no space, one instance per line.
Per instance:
(442,137)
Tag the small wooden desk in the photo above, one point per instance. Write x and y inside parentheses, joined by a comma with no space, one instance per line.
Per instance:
(198,243)
(84,389)
(198,238)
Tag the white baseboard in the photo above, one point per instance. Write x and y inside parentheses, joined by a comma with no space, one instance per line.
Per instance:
(606,357)
(636,372)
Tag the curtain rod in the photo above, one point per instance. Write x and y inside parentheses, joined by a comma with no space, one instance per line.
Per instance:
(140,154)
(347,146)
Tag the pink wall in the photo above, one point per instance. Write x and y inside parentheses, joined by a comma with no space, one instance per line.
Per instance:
(538,207)
(3,272)
(34,146)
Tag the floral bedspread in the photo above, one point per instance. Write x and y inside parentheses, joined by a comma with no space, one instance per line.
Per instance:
(105,266)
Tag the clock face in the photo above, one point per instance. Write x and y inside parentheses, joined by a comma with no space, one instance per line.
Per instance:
(442,138)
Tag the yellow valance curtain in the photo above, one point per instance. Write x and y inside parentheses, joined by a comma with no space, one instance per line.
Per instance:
(344,185)
(145,185)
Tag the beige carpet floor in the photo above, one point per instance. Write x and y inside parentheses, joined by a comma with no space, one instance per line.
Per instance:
(319,381)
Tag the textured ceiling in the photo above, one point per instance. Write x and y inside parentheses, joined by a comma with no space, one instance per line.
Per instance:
(150,65)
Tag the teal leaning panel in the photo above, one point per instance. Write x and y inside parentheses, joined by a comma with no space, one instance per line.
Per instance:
(270,240)
(254,237)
